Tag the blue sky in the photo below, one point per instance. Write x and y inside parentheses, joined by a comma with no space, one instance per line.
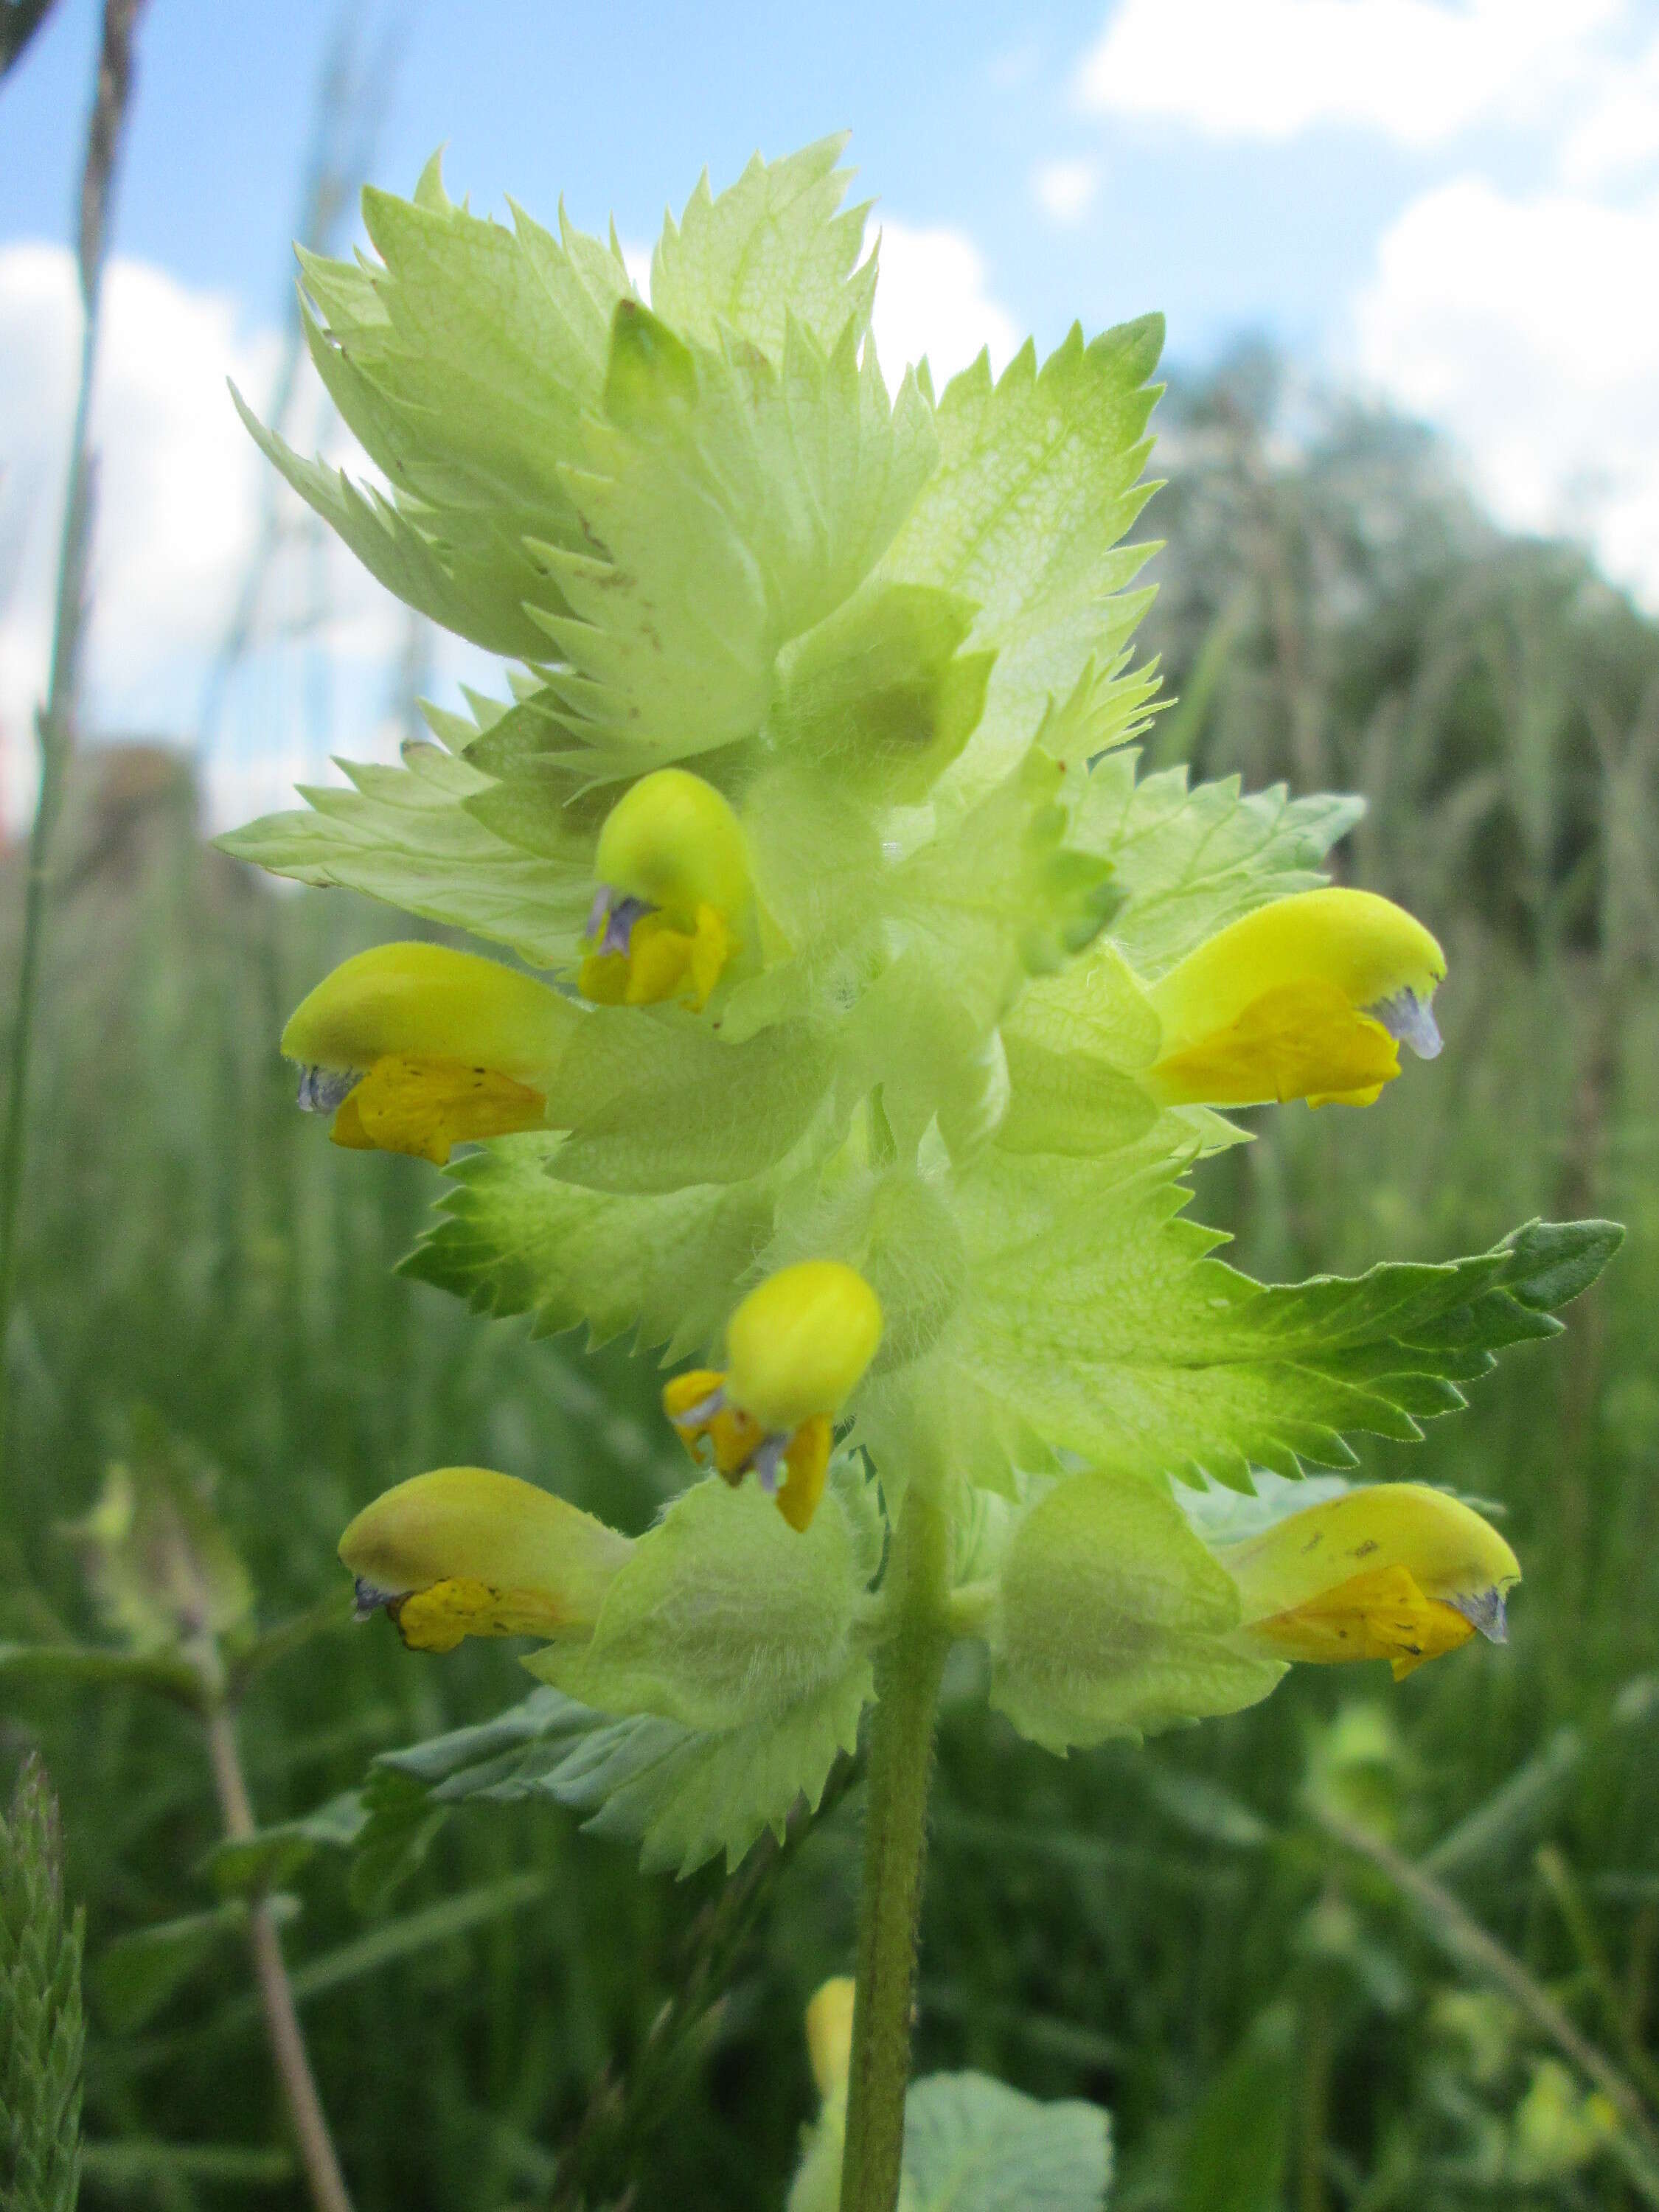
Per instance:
(1452,204)
(952,109)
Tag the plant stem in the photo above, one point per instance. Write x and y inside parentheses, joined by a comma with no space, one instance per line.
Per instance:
(105,129)
(1462,1937)
(287,2043)
(895,1841)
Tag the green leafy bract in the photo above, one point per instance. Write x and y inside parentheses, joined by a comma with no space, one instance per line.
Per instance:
(1096,1314)
(777,246)
(1039,478)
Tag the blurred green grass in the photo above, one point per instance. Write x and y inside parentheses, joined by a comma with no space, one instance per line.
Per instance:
(1172,1932)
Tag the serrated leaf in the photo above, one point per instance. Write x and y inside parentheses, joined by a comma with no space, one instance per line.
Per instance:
(1038,480)
(514,1240)
(775,244)
(727,504)
(972,2144)
(462,361)
(1112,1618)
(1189,860)
(724,1617)
(686,1797)
(1096,1316)
(683,1795)
(406,836)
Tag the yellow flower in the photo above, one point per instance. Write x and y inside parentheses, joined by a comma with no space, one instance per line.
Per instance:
(817,2186)
(1309,997)
(416,1047)
(797,1347)
(464,1551)
(673,896)
(1394,1571)
(829,2035)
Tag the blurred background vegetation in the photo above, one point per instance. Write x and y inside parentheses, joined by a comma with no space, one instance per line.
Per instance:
(1363,1950)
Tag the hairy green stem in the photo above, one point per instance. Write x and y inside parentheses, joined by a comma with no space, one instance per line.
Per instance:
(895,1840)
(287,2043)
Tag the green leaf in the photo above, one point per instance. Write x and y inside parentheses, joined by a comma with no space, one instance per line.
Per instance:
(668,1264)
(1038,479)
(1096,1316)
(1111,1618)
(681,1796)
(972,2145)
(724,1617)
(87,1664)
(1235,2150)
(138,1972)
(1188,861)
(775,246)
(42,2032)
(729,505)
(406,836)
(270,1857)
(463,362)
(480,598)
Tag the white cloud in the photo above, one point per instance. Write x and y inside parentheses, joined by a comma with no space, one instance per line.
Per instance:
(1616,134)
(1066,190)
(932,299)
(179,490)
(1528,328)
(1416,71)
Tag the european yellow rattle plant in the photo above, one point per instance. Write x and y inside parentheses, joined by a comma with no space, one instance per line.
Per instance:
(878,1010)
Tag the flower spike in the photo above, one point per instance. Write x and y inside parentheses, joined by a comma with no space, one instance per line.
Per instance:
(671,906)
(1394,1571)
(1309,997)
(464,1552)
(416,1048)
(798,1346)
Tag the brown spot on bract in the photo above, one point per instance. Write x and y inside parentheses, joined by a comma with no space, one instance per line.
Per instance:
(1364,1551)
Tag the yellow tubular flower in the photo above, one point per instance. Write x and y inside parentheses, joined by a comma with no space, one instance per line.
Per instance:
(464,1551)
(829,2035)
(416,1047)
(673,902)
(1309,998)
(1396,1572)
(798,1348)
